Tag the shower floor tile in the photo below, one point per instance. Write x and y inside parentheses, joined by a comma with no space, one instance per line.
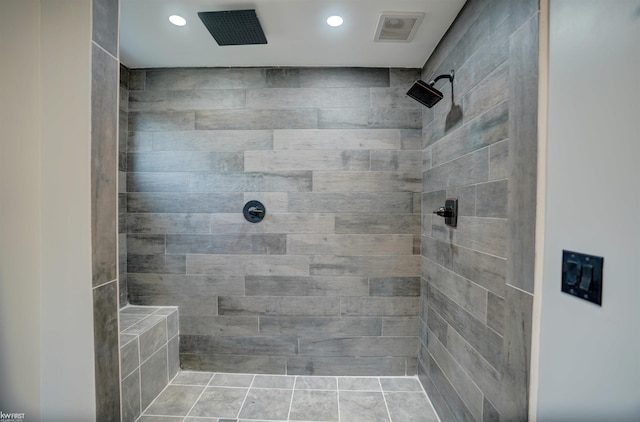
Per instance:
(175,400)
(267,403)
(221,402)
(220,397)
(313,405)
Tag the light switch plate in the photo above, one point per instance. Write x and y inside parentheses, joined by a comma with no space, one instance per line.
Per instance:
(582,276)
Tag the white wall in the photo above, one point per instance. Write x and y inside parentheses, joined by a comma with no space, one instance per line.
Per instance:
(20,259)
(67,301)
(589,356)
(46,328)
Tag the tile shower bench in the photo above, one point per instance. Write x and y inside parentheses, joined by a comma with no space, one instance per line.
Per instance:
(149,357)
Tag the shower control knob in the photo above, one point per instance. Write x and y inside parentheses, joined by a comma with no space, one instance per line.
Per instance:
(255,211)
(444,212)
(449,212)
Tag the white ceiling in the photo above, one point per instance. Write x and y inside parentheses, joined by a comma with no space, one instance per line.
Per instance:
(296,31)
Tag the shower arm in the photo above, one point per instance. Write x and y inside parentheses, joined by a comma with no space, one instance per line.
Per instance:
(449,76)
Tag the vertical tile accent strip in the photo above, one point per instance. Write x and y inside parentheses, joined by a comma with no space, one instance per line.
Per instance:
(123,134)
(104,124)
(104,207)
(523,107)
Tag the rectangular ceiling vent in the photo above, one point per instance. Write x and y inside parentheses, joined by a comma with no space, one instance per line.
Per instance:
(234,27)
(398,26)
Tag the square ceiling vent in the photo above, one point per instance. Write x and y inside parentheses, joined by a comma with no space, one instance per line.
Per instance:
(234,27)
(398,26)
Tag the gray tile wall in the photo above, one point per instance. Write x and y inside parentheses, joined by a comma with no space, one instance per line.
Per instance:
(329,282)
(104,220)
(123,132)
(480,146)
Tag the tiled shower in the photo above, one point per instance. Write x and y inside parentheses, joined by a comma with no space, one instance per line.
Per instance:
(349,273)
(329,282)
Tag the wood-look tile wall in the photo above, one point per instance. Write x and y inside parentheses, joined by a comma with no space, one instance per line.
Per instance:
(104,219)
(480,145)
(123,132)
(328,282)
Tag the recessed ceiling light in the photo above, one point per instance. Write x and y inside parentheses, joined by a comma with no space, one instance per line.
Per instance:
(177,20)
(334,20)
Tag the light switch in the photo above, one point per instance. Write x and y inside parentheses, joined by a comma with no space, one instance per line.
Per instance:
(586,278)
(572,273)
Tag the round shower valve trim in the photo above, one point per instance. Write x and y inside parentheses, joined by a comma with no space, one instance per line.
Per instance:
(254,211)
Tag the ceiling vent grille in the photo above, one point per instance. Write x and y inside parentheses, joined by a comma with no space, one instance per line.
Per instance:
(234,27)
(397,26)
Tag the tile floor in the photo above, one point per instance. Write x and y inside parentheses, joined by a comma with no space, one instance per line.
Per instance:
(222,397)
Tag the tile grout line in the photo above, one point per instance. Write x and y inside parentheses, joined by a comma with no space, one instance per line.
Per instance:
(124,331)
(137,340)
(338,397)
(384,398)
(166,333)
(245,396)
(198,399)
(424,392)
(152,401)
(293,390)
